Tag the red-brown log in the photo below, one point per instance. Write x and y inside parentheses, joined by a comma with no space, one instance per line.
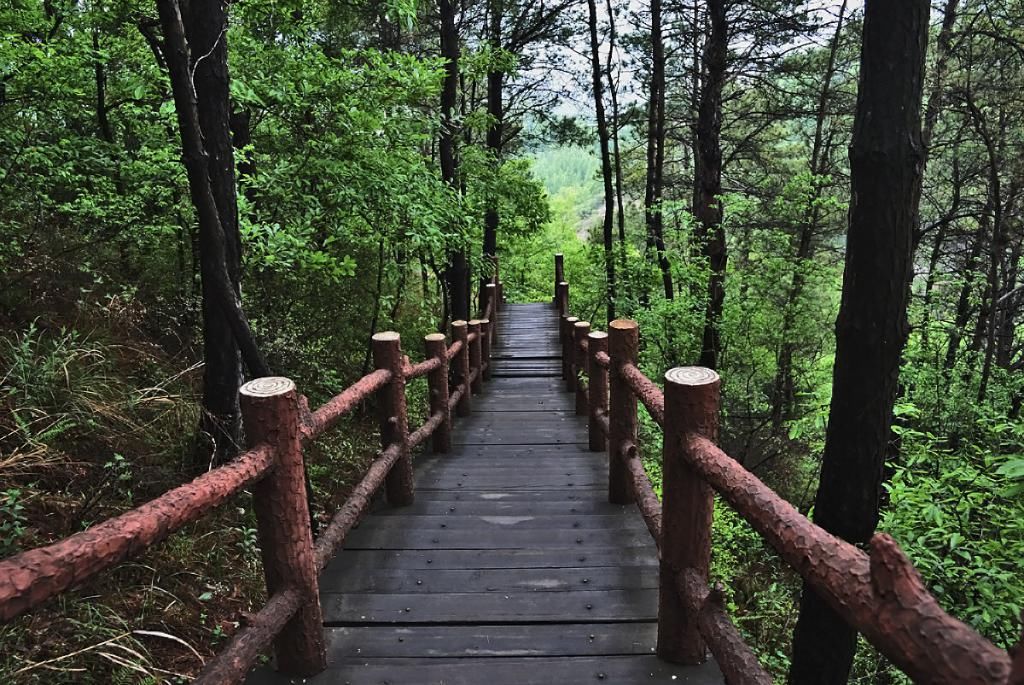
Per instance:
(270,411)
(339,405)
(569,352)
(487,335)
(454,398)
(437,382)
(30,578)
(492,312)
(733,655)
(453,350)
(603,423)
(232,665)
(646,391)
(580,331)
(476,357)
(598,396)
(893,609)
(603,360)
(400,484)
(687,502)
(642,489)
(562,299)
(426,430)
(460,334)
(333,536)
(423,368)
(623,341)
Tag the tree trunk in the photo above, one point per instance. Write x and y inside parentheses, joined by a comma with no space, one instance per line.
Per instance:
(457,271)
(620,207)
(495,132)
(225,327)
(606,167)
(656,154)
(707,207)
(871,329)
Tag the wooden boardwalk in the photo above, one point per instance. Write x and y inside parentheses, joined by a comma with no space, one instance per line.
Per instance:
(511,567)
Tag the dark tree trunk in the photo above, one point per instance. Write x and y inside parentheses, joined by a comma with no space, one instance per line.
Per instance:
(963,304)
(656,154)
(620,208)
(707,208)
(495,132)
(457,271)
(784,391)
(206,32)
(225,327)
(606,166)
(871,329)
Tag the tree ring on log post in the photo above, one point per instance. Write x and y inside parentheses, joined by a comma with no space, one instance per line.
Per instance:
(600,335)
(623,324)
(386,336)
(690,375)
(581,324)
(268,386)
(434,337)
(460,322)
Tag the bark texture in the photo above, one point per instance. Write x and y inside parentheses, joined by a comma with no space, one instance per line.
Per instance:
(885,161)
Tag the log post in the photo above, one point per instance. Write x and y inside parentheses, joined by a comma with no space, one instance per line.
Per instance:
(476,356)
(623,342)
(270,410)
(486,330)
(598,392)
(394,420)
(580,330)
(492,296)
(559,274)
(563,299)
(460,332)
(687,502)
(568,356)
(437,381)
(499,288)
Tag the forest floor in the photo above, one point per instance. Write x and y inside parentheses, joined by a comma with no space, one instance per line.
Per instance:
(91,425)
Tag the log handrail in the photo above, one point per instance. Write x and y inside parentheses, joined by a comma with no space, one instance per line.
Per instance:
(279,424)
(878,592)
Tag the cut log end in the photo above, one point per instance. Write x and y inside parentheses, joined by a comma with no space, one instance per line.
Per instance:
(582,324)
(623,324)
(690,375)
(268,386)
(434,337)
(597,335)
(385,336)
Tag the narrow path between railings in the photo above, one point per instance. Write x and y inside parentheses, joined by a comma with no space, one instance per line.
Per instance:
(511,566)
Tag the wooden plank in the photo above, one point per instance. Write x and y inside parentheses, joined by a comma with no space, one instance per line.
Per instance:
(486,607)
(498,524)
(583,670)
(371,561)
(580,639)
(365,538)
(429,506)
(464,495)
(492,580)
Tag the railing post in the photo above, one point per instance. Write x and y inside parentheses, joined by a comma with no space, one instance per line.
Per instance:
(492,296)
(270,410)
(687,502)
(559,273)
(499,288)
(437,381)
(598,391)
(580,331)
(623,342)
(460,332)
(475,356)
(563,299)
(394,420)
(568,356)
(486,330)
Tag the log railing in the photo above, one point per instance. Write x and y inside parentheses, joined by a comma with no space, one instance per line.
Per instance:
(278,424)
(877,591)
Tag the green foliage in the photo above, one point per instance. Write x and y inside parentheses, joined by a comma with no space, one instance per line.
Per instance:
(12,521)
